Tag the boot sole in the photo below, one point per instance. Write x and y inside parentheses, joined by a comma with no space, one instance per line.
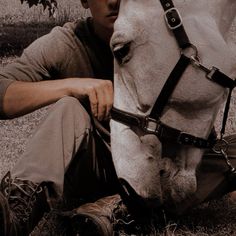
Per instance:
(4,216)
(90,225)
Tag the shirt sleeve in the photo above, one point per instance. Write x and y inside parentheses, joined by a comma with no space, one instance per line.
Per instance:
(38,62)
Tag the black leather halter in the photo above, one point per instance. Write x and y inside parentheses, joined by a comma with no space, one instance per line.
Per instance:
(151,124)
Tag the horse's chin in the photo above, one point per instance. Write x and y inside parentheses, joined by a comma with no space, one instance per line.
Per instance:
(177,183)
(178,190)
(142,200)
(159,177)
(173,192)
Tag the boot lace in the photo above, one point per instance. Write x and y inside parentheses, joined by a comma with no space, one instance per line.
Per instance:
(21,195)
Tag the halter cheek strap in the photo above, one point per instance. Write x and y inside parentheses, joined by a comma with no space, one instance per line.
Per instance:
(175,23)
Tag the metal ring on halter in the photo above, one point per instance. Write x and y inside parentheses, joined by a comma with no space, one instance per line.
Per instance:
(195,60)
(220,146)
(231,167)
(188,53)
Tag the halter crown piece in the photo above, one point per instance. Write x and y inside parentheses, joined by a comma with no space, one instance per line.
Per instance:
(151,124)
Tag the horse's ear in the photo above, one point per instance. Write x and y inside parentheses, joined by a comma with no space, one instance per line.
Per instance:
(85,4)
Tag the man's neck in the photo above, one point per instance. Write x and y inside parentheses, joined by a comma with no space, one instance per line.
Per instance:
(103,33)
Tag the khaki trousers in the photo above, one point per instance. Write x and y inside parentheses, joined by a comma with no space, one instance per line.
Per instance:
(62,151)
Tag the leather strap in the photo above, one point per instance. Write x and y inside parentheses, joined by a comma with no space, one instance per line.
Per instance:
(226,113)
(220,78)
(126,118)
(162,131)
(174,23)
(169,86)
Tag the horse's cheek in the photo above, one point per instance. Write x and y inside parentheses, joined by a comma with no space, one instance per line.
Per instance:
(136,162)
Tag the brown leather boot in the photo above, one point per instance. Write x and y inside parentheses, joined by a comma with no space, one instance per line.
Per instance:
(22,205)
(96,218)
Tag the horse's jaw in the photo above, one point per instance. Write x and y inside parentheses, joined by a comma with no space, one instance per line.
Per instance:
(135,161)
(157,180)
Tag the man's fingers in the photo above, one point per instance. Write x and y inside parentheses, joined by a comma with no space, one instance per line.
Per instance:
(101,103)
(109,96)
(92,94)
(100,94)
(105,99)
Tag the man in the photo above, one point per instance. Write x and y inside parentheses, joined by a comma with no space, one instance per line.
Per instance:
(72,67)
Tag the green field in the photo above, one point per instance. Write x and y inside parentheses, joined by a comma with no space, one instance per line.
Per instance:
(19,26)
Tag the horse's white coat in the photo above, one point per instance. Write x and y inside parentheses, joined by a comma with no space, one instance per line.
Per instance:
(193,105)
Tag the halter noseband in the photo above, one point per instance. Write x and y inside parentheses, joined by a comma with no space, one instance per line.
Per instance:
(151,124)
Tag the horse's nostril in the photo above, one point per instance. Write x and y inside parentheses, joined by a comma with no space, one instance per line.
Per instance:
(164,173)
(121,53)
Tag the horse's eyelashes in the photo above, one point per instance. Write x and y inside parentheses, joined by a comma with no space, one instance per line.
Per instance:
(121,53)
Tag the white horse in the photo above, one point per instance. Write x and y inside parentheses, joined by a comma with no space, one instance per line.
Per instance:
(166,172)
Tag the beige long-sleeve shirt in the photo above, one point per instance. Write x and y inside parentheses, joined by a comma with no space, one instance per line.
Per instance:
(69,51)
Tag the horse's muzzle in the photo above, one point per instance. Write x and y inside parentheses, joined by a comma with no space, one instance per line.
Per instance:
(138,206)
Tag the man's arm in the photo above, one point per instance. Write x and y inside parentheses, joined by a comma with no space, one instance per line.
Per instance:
(24,97)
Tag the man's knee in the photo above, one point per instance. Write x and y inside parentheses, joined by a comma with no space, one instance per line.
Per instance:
(72,108)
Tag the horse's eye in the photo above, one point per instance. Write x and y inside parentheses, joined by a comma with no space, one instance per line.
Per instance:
(121,53)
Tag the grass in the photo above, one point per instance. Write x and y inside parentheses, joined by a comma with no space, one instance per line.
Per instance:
(20,25)
(14,38)
(13,12)
(216,218)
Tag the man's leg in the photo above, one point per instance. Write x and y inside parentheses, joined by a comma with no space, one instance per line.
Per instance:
(55,143)
(49,153)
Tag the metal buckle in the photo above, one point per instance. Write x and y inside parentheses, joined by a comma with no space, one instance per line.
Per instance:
(211,72)
(173,18)
(151,125)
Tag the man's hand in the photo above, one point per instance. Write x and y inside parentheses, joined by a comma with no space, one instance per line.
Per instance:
(99,93)
(24,97)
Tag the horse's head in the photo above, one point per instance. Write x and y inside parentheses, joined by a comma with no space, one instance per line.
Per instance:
(146,52)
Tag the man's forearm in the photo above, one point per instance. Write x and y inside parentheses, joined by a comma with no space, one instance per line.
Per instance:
(24,97)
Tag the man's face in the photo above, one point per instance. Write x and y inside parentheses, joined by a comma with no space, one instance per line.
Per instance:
(104,12)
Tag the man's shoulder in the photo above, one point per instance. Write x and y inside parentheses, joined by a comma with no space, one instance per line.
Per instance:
(60,38)
(71,28)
